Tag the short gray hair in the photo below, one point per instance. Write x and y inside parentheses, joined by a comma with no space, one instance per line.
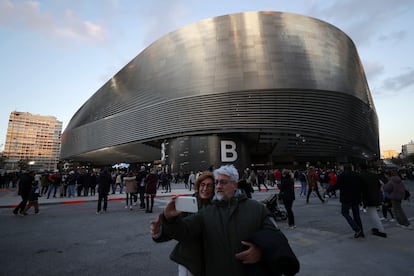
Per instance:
(228,170)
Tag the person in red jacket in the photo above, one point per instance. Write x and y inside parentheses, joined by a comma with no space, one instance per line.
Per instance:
(277,175)
(312,180)
(332,181)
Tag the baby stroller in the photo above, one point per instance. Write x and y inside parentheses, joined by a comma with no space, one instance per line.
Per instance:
(272,203)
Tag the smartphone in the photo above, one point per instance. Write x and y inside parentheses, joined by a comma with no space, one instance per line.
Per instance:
(186,204)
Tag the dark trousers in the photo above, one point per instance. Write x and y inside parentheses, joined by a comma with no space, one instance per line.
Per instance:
(79,188)
(385,210)
(22,204)
(317,193)
(149,207)
(141,191)
(103,197)
(288,206)
(258,185)
(355,220)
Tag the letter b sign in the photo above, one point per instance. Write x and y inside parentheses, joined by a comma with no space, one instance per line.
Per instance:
(228,151)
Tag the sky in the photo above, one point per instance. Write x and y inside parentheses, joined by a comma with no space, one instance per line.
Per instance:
(55,54)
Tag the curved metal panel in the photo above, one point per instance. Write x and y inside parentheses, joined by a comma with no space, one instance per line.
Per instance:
(267,73)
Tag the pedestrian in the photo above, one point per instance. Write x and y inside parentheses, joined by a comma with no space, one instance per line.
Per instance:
(252,179)
(349,185)
(261,177)
(25,186)
(312,179)
(71,180)
(54,180)
(33,197)
(395,190)
(104,186)
(287,192)
(141,186)
(371,197)
(303,183)
(113,181)
(79,175)
(191,180)
(188,253)
(386,208)
(332,181)
(118,182)
(130,182)
(90,182)
(151,181)
(246,187)
(166,182)
(277,176)
(44,181)
(239,236)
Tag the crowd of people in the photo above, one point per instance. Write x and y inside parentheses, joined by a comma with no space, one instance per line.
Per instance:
(225,202)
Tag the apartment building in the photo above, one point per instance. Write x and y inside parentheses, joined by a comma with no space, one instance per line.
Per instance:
(32,142)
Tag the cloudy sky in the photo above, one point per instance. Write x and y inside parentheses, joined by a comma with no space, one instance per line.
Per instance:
(56,53)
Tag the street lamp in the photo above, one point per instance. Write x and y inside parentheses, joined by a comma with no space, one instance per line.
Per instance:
(31,163)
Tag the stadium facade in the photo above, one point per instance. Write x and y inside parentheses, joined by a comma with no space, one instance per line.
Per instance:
(249,88)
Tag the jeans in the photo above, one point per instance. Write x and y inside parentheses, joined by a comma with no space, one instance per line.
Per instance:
(54,188)
(103,197)
(71,190)
(354,222)
(303,188)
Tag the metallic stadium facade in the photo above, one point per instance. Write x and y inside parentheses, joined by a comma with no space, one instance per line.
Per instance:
(248,88)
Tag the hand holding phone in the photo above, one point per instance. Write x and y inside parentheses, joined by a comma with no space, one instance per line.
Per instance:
(186,204)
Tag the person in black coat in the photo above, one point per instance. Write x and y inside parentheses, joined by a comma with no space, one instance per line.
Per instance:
(349,184)
(287,192)
(104,184)
(371,197)
(25,186)
(246,187)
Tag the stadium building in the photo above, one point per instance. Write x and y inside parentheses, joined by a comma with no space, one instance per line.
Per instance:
(262,88)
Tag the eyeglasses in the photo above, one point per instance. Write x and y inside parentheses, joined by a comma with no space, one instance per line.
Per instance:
(206,185)
(222,181)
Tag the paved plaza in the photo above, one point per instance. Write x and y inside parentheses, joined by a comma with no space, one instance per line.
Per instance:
(68,238)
